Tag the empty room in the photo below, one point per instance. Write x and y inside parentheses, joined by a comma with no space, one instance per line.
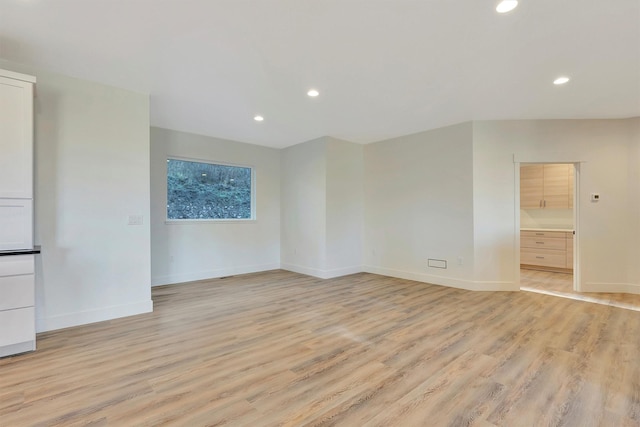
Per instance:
(296,213)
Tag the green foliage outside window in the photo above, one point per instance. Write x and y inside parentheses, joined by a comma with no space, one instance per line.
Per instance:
(198,190)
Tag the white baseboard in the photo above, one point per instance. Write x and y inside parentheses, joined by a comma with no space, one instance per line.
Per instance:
(322,274)
(470,285)
(91,316)
(625,288)
(22,347)
(211,274)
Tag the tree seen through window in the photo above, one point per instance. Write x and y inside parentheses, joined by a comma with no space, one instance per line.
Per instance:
(197,190)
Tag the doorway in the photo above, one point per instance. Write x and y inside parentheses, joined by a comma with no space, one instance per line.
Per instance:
(548,218)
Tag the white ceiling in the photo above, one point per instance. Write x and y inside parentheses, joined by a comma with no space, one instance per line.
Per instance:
(384,68)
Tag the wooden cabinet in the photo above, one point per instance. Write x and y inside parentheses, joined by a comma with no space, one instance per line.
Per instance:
(546,186)
(546,250)
(17,300)
(531,186)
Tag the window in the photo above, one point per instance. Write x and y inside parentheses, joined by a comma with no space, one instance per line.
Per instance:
(206,191)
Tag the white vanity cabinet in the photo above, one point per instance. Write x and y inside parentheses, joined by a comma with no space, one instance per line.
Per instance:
(17,281)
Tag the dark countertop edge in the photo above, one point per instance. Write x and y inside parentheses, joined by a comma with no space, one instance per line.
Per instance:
(35,250)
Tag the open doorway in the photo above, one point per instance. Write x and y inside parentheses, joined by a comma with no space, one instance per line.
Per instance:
(548,219)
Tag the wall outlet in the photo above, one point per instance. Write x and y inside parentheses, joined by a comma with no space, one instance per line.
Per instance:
(135,219)
(595,197)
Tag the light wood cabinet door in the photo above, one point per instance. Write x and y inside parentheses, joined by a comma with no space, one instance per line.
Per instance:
(556,186)
(531,186)
(546,186)
(543,243)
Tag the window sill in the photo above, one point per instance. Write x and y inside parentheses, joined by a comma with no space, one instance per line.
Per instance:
(208,221)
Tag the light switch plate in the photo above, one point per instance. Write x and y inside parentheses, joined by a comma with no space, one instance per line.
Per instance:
(135,219)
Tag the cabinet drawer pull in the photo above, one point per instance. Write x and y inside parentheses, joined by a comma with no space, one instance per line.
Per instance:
(539,234)
(540,257)
(539,243)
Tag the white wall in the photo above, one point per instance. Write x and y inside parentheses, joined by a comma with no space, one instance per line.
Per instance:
(633,245)
(193,251)
(546,218)
(322,207)
(419,205)
(345,207)
(91,172)
(607,229)
(304,207)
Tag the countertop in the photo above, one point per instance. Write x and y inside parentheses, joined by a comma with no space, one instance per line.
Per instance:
(567,230)
(35,250)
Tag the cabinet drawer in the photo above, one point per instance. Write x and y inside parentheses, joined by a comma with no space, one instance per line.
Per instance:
(552,234)
(543,243)
(17,326)
(17,292)
(544,258)
(16,265)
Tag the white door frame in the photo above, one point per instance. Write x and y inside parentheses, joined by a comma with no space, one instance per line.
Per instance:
(538,158)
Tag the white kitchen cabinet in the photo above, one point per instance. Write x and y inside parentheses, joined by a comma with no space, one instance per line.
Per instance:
(16,224)
(17,300)
(17,280)
(16,136)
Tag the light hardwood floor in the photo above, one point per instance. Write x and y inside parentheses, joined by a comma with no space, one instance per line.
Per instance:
(561,285)
(282,349)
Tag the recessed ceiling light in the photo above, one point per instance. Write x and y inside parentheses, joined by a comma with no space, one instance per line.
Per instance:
(506,6)
(313,93)
(258,118)
(560,80)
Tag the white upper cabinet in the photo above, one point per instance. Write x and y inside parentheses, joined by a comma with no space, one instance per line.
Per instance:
(16,137)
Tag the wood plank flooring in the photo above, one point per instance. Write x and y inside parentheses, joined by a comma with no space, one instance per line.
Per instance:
(561,285)
(283,349)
